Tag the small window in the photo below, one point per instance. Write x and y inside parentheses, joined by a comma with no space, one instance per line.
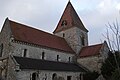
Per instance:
(25,53)
(1,50)
(54,76)
(58,57)
(83,40)
(34,76)
(64,23)
(69,59)
(45,78)
(43,55)
(69,77)
(63,34)
(80,76)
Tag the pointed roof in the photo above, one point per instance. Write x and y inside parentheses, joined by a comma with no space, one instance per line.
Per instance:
(71,19)
(90,50)
(27,34)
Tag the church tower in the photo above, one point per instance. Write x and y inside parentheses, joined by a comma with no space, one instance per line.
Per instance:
(72,29)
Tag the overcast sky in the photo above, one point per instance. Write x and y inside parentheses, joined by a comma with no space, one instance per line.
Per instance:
(45,14)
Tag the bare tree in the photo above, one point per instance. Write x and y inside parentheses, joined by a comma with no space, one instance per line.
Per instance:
(113,38)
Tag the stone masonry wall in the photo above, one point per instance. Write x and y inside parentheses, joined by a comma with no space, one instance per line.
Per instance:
(5,36)
(36,52)
(91,63)
(46,75)
(73,38)
(94,63)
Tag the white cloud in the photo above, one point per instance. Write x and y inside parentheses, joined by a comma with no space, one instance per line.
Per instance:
(118,6)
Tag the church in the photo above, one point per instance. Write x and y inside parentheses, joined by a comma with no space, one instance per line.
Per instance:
(27,53)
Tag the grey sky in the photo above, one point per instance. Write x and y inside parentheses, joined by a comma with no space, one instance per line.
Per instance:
(45,14)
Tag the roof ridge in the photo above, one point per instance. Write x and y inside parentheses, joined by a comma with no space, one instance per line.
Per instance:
(94,45)
(90,50)
(33,28)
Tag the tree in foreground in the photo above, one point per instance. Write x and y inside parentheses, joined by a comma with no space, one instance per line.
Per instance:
(111,67)
(91,76)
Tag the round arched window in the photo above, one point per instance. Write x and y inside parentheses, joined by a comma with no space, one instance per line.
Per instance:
(54,76)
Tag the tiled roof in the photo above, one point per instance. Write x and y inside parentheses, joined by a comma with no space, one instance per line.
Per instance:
(38,64)
(34,36)
(71,18)
(90,50)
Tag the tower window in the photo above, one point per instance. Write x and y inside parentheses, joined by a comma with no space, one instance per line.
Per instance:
(43,55)
(63,34)
(83,40)
(24,53)
(64,23)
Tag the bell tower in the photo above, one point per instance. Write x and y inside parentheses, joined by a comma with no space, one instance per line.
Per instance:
(72,29)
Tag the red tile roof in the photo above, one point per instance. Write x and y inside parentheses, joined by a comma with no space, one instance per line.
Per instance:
(34,36)
(90,50)
(72,19)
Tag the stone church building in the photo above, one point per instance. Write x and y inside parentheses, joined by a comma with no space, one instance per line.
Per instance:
(27,53)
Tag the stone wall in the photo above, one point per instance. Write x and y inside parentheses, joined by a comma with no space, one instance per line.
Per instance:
(11,69)
(36,52)
(5,36)
(91,63)
(94,63)
(73,38)
(47,75)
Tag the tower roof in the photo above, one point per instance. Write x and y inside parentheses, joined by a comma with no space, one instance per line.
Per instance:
(70,19)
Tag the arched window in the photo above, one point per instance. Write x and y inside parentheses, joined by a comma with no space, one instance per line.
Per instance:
(34,76)
(63,34)
(43,55)
(54,76)
(69,77)
(1,50)
(24,54)
(64,23)
(58,58)
(80,76)
(83,40)
(69,59)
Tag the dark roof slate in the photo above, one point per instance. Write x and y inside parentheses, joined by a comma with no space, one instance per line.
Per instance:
(38,64)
